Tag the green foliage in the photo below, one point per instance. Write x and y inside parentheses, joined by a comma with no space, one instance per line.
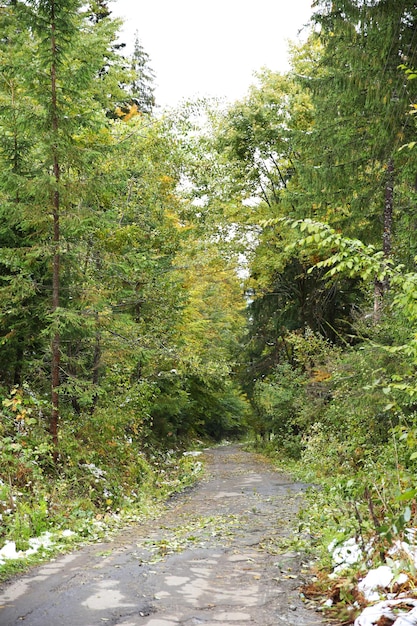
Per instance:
(290,398)
(307,172)
(157,218)
(278,400)
(103,470)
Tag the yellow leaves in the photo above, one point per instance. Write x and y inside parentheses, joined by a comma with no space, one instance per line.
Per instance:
(132,112)
(319,375)
(167,180)
(176,222)
(16,404)
(413,108)
(211,316)
(126,111)
(8,335)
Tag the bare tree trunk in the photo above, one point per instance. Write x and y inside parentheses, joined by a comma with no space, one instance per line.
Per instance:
(56,340)
(381,287)
(96,369)
(378,297)
(388,213)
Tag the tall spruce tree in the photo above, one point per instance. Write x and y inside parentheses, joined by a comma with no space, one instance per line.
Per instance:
(362,101)
(141,88)
(57,55)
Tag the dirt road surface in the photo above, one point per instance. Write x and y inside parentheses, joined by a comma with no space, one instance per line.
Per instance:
(212,558)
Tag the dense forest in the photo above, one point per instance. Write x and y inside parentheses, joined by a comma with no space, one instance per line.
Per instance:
(240,271)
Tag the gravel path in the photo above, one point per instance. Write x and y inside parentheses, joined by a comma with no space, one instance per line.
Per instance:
(213,558)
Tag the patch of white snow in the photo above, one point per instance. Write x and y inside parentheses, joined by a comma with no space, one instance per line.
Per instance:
(379,578)
(407,619)
(44,541)
(372,614)
(346,554)
(8,551)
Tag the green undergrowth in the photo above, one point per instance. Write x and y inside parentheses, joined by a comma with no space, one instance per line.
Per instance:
(102,481)
(344,421)
(353,516)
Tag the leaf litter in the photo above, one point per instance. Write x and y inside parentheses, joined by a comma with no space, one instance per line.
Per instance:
(196,533)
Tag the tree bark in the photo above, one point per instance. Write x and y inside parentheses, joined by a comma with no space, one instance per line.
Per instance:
(96,369)
(381,287)
(388,210)
(56,340)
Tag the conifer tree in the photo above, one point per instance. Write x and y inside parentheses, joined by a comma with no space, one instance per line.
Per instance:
(362,102)
(141,88)
(47,164)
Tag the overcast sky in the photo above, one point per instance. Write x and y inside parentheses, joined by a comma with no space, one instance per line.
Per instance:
(211,47)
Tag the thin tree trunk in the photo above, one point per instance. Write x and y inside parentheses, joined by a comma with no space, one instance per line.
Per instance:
(381,287)
(56,340)
(96,369)
(388,213)
(378,297)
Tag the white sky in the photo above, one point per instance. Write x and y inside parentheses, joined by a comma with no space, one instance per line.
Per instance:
(211,47)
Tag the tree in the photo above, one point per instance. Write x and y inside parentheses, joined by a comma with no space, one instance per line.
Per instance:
(99,10)
(361,103)
(141,88)
(322,142)
(257,136)
(261,146)
(68,52)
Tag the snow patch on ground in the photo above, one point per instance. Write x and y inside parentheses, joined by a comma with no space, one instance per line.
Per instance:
(377,581)
(372,614)
(376,586)
(9,551)
(345,555)
(46,541)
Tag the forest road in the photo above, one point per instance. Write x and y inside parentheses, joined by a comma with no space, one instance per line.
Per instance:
(212,558)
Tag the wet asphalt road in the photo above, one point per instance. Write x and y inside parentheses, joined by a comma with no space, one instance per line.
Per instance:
(213,558)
